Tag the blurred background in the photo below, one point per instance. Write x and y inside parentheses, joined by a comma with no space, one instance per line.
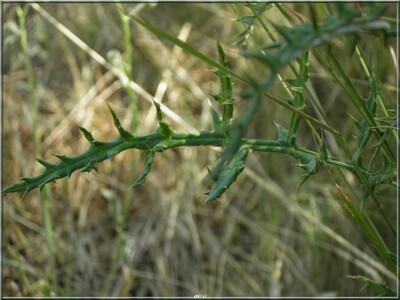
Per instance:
(92,235)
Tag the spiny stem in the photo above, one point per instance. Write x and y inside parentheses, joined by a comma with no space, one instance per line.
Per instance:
(100,151)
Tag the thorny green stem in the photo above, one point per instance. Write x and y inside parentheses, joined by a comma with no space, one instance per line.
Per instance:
(101,151)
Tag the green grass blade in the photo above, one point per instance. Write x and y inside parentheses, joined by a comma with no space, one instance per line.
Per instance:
(162,34)
(375,241)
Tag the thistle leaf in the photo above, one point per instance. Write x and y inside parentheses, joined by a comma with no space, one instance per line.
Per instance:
(225,95)
(122,132)
(217,120)
(362,139)
(228,174)
(65,159)
(85,162)
(149,162)
(310,164)
(158,109)
(299,39)
(363,127)
(283,133)
(87,134)
(46,164)
(165,130)
(100,145)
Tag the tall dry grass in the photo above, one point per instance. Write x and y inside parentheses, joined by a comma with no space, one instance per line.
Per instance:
(262,238)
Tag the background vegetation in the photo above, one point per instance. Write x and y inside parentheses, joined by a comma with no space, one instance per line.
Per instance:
(93,235)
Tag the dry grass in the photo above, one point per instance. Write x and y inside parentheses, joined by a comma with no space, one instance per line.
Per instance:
(261,239)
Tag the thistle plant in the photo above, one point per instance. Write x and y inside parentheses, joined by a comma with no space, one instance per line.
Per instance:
(228,133)
(296,47)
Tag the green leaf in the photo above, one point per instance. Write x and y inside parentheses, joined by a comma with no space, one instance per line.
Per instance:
(308,163)
(362,140)
(65,159)
(149,162)
(363,127)
(301,38)
(228,174)
(221,55)
(283,133)
(122,132)
(158,109)
(217,120)
(100,145)
(225,96)
(68,164)
(47,164)
(87,134)
(165,130)
(380,288)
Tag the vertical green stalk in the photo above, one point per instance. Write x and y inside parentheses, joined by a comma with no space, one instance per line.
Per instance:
(44,197)
(128,57)
(31,80)
(127,39)
(119,250)
(125,20)
(364,220)
(120,212)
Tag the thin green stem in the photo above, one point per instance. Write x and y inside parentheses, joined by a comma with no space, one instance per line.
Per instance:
(44,196)
(31,79)
(127,39)
(119,245)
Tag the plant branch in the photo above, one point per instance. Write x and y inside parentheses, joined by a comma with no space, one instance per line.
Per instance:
(100,151)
